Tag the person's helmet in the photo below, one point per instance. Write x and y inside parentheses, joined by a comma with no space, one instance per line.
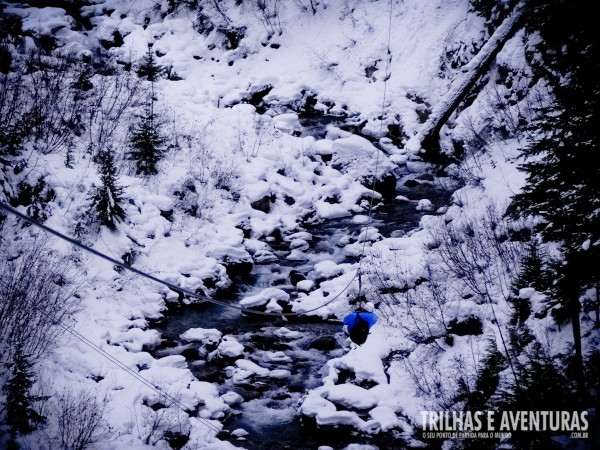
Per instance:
(369,307)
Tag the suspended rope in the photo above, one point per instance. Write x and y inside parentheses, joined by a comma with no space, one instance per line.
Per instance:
(137,376)
(357,274)
(371,201)
(172,286)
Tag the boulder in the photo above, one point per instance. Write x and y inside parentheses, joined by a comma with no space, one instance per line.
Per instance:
(324,343)
(469,326)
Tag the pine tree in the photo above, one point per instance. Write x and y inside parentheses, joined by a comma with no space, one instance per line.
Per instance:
(563,176)
(533,273)
(147,142)
(106,199)
(20,415)
(83,83)
(148,68)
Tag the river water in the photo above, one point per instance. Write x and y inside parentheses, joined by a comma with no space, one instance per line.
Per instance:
(301,348)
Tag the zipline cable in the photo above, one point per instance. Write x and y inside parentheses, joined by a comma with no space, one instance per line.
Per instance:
(111,358)
(137,376)
(78,205)
(370,214)
(124,266)
(172,286)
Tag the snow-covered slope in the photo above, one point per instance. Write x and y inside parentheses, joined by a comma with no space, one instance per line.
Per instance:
(231,178)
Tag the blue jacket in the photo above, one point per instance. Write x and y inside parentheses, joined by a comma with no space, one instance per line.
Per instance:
(369,317)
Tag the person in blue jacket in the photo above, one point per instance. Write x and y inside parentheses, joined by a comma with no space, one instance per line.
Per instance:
(365,310)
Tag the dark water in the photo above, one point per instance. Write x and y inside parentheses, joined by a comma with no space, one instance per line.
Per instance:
(268,412)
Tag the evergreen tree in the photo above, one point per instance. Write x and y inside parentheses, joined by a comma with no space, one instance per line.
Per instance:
(106,199)
(533,273)
(541,385)
(36,197)
(147,142)
(83,83)
(480,396)
(563,176)
(148,68)
(20,415)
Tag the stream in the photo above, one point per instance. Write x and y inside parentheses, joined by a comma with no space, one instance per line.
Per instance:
(294,351)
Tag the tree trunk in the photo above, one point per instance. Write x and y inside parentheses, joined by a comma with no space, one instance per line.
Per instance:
(597,305)
(428,137)
(575,308)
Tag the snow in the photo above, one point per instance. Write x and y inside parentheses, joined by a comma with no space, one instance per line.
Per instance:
(326,54)
(287,333)
(385,416)
(351,396)
(230,347)
(252,367)
(265,296)
(286,123)
(211,335)
(280,373)
(305,285)
(232,398)
(239,433)
(425,205)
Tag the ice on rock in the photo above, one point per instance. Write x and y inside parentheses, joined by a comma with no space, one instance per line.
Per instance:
(264,257)
(232,398)
(241,375)
(280,373)
(305,285)
(276,357)
(239,433)
(314,404)
(304,235)
(360,219)
(287,333)
(135,339)
(369,234)
(328,268)
(299,244)
(206,335)
(351,396)
(425,205)
(230,347)
(385,416)
(296,255)
(252,367)
(264,297)
(286,123)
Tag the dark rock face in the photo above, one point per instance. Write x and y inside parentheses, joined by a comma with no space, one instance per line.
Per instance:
(471,326)
(256,97)
(176,440)
(385,185)
(232,36)
(236,269)
(167,215)
(264,204)
(191,354)
(296,277)
(324,343)
(396,134)
(209,283)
